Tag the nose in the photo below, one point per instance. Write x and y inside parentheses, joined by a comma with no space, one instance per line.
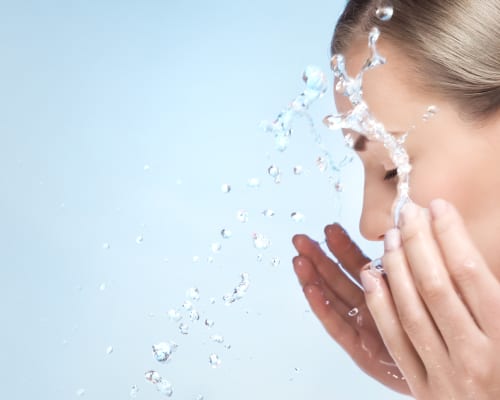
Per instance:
(376,218)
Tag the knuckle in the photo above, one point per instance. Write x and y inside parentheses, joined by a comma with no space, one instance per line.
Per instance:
(465,270)
(411,322)
(432,289)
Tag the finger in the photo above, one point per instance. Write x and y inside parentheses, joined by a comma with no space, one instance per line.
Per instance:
(479,288)
(412,313)
(386,318)
(431,278)
(345,250)
(329,271)
(308,276)
(335,324)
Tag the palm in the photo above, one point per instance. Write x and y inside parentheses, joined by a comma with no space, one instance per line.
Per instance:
(340,304)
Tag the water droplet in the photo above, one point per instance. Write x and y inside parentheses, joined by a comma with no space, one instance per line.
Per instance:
(268,213)
(353,312)
(102,287)
(385,11)
(297,216)
(216,248)
(109,350)
(212,300)
(339,187)
(259,257)
(253,182)
(162,352)
(273,171)
(227,346)
(184,328)
(187,305)
(199,397)
(298,169)
(133,391)
(193,294)
(322,164)
(217,338)
(260,241)
(209,323)
(106,246)
(214,360)
(225,188)
(139,239)
(275,262)
(152,376)
(165,387)
(431,112)
(147,167)
(196,259)
(210,259)
(226,233)
(174,315)
(194,315)
(242,216)
(80,392)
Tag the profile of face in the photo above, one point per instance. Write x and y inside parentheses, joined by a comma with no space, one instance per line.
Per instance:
(452,157)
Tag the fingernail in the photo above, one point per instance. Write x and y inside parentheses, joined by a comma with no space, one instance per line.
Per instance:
(392,240)
(438,207)
(408,213)
(370,280)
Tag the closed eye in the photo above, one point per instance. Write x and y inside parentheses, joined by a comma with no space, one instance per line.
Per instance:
(391,174)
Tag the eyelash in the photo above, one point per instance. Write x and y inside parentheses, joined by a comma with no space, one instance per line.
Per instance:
(390,175)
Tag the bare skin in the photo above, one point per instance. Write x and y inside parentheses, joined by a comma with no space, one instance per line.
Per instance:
(434,319)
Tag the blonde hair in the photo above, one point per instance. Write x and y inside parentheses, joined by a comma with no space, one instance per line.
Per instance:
(453,46)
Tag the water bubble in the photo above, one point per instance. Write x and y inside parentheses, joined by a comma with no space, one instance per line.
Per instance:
(174,315)
(209,323)
(226,233)
(152,376)
(273,171)
(165,387)
(194,315)
(217,338)
(253,182)
(225,188)
(133,391)
(216,248)
(275,262)
(106,246)
(163,351)
(184,328)
(385,11)
(298,169)
(242,216)
(109,350)
(139,239)
(80,392)
(297,216)
(214,360)
(193,294)
(260,241)
(353,312)
(268,213)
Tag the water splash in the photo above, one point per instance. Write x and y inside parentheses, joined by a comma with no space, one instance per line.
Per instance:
(214,360)
(360,119)
(239,291)
(162,352)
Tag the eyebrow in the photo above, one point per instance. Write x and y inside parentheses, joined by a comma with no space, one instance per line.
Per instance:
(360,144)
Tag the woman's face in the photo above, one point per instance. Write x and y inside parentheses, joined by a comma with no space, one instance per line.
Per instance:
(452,159)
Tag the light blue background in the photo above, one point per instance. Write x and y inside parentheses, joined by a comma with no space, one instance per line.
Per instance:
(91,93)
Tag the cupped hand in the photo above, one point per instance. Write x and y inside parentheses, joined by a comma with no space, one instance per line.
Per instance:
(440,320)
(340,305)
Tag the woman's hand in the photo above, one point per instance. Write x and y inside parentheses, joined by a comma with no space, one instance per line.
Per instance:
(340,304)
(440,320)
